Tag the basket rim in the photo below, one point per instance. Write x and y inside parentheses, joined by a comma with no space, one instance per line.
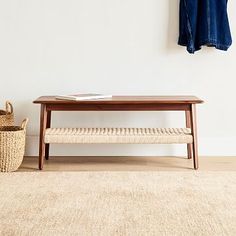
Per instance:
(3,113)
(18,129)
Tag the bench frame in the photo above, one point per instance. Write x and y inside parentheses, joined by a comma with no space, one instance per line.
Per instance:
(121,103)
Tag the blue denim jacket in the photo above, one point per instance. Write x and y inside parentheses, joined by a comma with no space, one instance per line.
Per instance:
(204,22)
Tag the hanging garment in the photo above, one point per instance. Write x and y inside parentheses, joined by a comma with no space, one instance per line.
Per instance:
(204,22)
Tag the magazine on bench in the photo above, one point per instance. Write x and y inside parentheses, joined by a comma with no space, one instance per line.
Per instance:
(83,96)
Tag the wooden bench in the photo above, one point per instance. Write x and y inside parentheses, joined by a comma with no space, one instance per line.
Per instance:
(186,135)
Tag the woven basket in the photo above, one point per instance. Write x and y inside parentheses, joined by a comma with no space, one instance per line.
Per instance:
(12,146)
(7,116)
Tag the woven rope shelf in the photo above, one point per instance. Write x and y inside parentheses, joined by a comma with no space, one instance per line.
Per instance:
(119,135)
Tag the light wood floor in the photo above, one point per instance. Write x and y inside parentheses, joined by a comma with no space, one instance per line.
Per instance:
(129,164)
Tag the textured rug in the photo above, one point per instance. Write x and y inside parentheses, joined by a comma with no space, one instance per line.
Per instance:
(118,203)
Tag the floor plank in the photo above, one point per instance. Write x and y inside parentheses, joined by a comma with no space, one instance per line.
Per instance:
(124,163)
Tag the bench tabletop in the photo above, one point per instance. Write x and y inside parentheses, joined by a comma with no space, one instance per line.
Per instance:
(125,100)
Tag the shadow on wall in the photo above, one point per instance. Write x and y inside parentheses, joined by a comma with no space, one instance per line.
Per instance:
(173,25)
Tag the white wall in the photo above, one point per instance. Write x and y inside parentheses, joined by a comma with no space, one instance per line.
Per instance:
(119,47)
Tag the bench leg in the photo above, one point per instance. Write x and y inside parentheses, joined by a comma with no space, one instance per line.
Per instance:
(47,145)
(194,133)
(42,146)
(188,125)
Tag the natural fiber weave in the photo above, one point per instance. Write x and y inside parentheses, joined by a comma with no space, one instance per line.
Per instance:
(7,116)
(118,203)
(12,146)
(119,135)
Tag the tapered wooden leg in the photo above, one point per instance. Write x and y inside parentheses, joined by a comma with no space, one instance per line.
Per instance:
(48,125)
(43,123)
(188,125)
(194,133)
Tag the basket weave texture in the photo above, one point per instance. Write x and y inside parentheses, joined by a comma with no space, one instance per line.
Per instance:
(12,146)
(7,116)
(119,135)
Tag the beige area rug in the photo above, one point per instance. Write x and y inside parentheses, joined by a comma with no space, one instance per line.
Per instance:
(118,203)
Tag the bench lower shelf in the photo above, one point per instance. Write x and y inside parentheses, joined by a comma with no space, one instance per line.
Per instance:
(118,135)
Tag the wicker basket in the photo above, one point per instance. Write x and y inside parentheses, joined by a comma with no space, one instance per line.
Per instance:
(12,146)
(7,116)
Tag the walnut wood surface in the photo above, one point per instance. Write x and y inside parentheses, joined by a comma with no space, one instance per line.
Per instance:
(125,100)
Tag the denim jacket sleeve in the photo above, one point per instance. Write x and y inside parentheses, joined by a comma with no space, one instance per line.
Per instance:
(204,22)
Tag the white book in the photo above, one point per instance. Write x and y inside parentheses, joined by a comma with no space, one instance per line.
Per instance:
(83,96)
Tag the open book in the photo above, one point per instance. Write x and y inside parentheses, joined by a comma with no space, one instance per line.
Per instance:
(82,97)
